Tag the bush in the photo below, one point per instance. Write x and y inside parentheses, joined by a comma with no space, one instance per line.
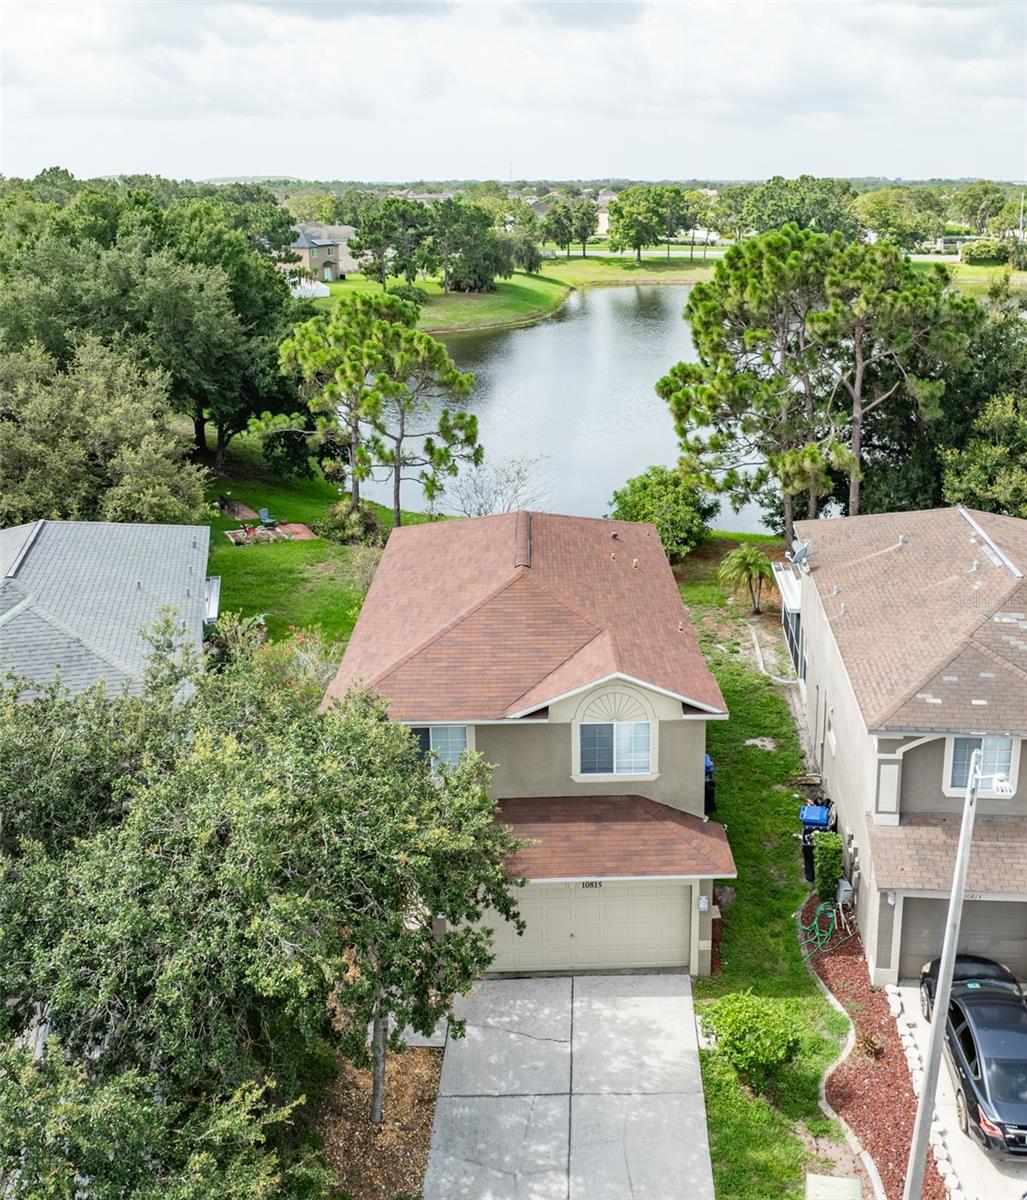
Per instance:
(753,1035)
(827,863)
(408,291)
(984,251)
(680,511)
(350,526)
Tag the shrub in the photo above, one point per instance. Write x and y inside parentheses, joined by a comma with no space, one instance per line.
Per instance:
(827,863)
(984,251)
(409,291)
(350,526)
(753,1035)
(680,511)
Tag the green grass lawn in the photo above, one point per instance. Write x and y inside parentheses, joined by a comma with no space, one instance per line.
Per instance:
(301,584)
(976,279)
(519,300)
(600,271)
(756,1143)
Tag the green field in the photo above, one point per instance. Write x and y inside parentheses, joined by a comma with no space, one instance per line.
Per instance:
(520,300)
(976,279)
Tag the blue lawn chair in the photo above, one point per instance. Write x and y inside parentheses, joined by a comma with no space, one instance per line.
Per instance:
(268,521)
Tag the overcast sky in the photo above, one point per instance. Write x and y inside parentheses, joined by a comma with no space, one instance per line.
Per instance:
(432,89)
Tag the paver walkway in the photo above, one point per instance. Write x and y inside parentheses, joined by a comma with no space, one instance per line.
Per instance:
(579,1088)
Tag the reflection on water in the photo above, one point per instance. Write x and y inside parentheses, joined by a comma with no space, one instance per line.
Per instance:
(579,389)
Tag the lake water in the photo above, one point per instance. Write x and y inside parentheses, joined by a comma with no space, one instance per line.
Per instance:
(578,388)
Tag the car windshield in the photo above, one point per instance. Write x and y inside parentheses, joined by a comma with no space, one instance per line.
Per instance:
(970,986)
(1007,1080)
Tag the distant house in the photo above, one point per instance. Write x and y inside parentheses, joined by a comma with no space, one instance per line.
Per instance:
(78,597)
(323,250)
(908,632)
(559,649)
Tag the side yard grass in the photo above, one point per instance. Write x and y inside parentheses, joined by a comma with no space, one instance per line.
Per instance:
(760,1144)
(302,584)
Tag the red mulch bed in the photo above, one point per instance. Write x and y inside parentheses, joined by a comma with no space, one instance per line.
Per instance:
(871,1089)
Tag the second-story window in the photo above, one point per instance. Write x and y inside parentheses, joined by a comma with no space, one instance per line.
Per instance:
(616,748)
(446,742)
(996,759)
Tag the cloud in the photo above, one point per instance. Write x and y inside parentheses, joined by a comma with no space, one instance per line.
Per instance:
(477,90)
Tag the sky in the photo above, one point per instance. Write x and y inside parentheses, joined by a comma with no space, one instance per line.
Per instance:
(443,89)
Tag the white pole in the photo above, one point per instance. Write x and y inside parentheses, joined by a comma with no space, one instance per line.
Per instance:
(925,1109)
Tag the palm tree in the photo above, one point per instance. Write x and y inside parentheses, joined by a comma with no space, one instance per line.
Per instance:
(746,567)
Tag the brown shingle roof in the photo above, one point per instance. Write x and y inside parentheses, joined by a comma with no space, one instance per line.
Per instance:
(930,620)
(592,837)
(493,617)
(920,853)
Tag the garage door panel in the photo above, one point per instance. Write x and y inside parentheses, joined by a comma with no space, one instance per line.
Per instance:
(571,927)
(994,928)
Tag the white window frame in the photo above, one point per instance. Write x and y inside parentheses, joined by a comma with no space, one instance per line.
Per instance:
(585,776)
(468,735)
(985,793)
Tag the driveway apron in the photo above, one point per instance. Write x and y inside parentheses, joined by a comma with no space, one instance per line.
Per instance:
(573,1088)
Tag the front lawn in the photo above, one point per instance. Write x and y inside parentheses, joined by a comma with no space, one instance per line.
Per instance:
(760,1144)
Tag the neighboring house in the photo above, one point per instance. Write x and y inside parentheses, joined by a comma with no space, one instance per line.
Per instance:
(323,250)
(908,632)
(559,649)
(77,598)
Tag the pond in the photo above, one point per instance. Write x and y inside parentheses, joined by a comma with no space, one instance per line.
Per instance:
(578,390)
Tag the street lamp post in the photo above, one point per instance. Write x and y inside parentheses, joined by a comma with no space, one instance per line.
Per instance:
(925,1109)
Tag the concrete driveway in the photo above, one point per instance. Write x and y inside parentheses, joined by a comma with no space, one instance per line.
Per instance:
(578,1088)
(981,1176)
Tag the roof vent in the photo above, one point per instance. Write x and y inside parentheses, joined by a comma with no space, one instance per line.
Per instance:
(634,564)
(974,567)
(615,535)
(522,540)
(842,609)
(902,539)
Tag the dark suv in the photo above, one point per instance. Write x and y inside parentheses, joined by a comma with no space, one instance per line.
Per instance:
(986,1045)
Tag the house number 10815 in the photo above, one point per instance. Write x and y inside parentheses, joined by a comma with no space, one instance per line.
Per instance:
(592,883)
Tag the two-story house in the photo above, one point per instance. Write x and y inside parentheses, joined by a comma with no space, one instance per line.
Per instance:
(558,648)
(908,632)
(323,250)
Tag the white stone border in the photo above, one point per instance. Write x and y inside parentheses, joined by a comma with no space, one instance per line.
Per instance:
(906,1024)
(855,1145)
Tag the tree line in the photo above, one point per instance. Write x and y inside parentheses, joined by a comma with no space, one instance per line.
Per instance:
(834,370)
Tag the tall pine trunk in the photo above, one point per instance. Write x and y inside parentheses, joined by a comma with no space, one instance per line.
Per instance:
(354,479)
(222,449)
(789,518)
(378,1048)
(856,446)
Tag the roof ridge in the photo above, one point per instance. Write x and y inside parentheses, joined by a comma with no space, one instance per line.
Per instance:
(944,661)
(44,614)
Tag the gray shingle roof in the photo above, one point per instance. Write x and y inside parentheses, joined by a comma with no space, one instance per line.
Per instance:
(76,597)
(929,613)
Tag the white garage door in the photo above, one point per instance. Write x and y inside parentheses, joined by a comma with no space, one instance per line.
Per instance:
(595,925)
(995,928)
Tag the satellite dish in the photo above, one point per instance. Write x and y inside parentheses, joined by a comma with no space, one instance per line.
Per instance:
(799,554)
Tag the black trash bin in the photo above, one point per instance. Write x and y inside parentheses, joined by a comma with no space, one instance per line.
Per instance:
(807,855)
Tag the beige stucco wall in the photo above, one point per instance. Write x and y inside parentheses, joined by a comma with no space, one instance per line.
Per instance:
(535,760)
(849,768)
(923,769)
